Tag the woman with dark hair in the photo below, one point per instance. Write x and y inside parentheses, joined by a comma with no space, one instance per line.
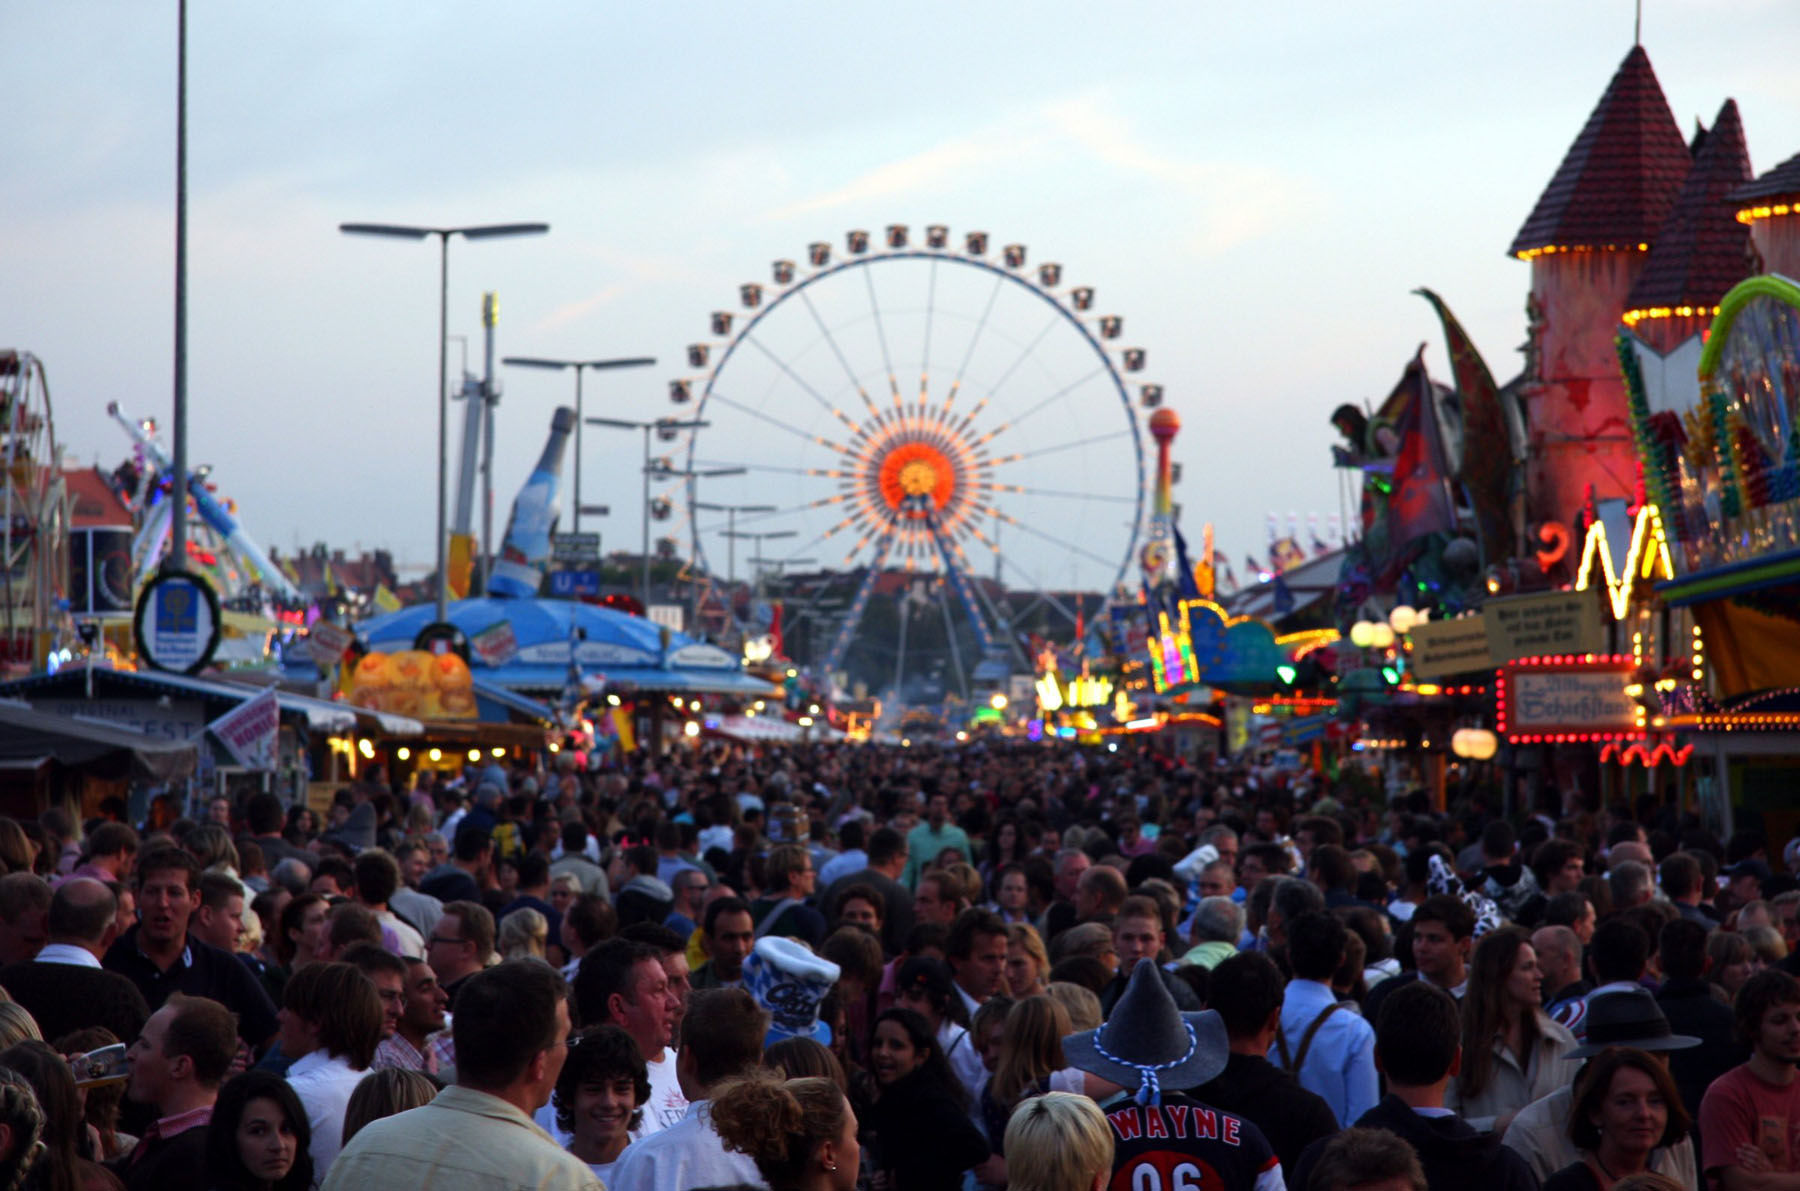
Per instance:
(600,1096)
(1005,845)
(801,1133)
(1512,1053)
(1625,1108)
(100,1102)
(258,1138)
(923,1136)
(64,1165)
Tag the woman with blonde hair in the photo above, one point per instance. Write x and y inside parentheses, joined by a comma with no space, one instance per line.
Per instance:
(1059,1142)
(17,1025)
(1027,963)
(524,933)
(1081,1004)
(385,1093)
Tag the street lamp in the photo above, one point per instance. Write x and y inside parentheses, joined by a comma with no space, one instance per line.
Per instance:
(731,512)
(648,428)
(489,231)
(580,366)
(759,539)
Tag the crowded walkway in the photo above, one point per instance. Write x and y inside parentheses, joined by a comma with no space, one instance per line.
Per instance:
(830,966)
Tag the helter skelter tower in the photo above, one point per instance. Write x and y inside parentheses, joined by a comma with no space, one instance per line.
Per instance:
(1587,240)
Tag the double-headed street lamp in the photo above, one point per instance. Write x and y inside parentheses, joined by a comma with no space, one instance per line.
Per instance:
(759,539)
(648,428)
(731,534)
(488,231)
(580,366)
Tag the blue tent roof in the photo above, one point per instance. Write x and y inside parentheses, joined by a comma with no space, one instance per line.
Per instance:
(621,647)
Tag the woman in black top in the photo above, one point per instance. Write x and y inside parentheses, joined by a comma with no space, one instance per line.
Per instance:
(923,1137)
(1625,1107)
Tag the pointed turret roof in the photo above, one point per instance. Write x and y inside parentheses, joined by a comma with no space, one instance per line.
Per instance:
(1782,182)
(1619,179)
(1701,250)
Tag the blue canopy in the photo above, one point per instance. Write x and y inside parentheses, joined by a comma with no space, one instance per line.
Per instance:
(605,642)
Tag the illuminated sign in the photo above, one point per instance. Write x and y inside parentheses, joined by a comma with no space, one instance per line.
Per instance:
(1646,559)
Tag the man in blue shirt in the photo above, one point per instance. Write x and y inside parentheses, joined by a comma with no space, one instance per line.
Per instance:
(1330,1049)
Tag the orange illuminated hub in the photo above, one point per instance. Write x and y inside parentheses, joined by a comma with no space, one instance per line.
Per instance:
(914,469)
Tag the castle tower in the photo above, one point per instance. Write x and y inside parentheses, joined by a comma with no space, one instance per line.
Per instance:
(1702,250)
(1771,207)
(1586,242)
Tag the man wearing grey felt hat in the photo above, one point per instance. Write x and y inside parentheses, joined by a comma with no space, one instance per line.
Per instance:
(1154,1051)
(1629,1017)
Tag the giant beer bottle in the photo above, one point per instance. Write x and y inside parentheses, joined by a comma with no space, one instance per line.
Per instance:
(526,548)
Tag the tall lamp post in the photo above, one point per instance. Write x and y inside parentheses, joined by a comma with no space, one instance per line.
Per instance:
(580,366)
(488,231)
(731,534)
(647,428)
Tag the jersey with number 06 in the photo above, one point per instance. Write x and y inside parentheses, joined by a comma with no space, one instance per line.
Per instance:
(1182,1145)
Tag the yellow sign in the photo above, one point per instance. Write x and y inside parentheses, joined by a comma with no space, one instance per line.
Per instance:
(1443,647)
(1557,622)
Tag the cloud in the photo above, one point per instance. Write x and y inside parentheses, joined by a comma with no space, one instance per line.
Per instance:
(956,159)
(574,312)
(1235,203)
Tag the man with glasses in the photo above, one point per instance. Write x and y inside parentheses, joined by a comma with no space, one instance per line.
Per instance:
(457,948)
(421,1015)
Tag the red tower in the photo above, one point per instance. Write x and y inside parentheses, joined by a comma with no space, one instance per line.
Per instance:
(1770,207)
(1702,250)
(1586,241)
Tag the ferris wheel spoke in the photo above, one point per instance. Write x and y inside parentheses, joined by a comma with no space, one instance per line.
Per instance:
(1025,354)
(887,361)
(1014,423)
(925,352)
(824,404)
(1024,490)
(1065,544)
(842,359)
(774,514)
(827,472)
(1042,589)
(1037,452)
(777,422)
(962,369)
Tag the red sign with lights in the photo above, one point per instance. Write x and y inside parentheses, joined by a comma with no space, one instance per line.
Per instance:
(1566,698)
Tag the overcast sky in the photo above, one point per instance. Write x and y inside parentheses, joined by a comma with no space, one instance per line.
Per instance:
(1255,188)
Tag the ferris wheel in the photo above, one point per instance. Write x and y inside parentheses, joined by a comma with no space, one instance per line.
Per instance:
(916,406)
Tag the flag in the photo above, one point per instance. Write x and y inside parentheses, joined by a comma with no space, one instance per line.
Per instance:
(1284,598)
(386,600)
(777,647)
(1184,569)
(1490,450)
(1420,502)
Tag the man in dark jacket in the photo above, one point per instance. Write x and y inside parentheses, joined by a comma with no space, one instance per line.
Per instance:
(1687,1000)
(1247,993)
(177,1063)
(1418,1047)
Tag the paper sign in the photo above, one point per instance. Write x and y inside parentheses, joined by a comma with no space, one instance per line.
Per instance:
(1442,647)
(251,731)
(1558,622)
(495,645)
(327,643)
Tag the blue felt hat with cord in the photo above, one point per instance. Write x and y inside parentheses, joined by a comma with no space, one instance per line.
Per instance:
(1150,1045)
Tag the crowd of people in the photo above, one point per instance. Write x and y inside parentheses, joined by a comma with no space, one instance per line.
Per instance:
(898,969)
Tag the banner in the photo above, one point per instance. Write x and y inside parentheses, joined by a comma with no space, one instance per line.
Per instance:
(251,732)
(495,645)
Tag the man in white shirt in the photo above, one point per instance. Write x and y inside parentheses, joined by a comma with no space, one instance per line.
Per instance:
(722,1038)
(623,983)
(330,1025)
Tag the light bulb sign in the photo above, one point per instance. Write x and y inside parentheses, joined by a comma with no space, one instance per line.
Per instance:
(177,622)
